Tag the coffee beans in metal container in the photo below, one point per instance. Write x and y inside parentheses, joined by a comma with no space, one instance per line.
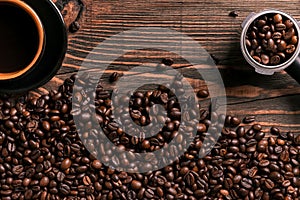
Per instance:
(272,39)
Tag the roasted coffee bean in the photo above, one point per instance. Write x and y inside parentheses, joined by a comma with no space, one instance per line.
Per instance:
(235,121)
(60,176)
(254,44)
(233,13)
(249,119)
(66,163)
(280,27)
(86,180)
(265,59)
(284,156)
(167,61)
(289,34)
(74,26)
(17,169)
(44,181)
(28,194)
(265,28)
(149,193)
(294,40)
(269,184)
(64,189)
(277,18)
(261,23)
(228,183)
(277,35)
(257,58)
(114,76)
(282,45)
(202,93)
(96,164)
(246,183)
(288,23)
(275,60)
(275,176)
(290,48)
(136,185)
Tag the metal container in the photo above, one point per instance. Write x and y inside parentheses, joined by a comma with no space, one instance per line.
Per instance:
(292,65)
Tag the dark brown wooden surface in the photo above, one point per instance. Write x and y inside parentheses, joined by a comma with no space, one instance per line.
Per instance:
(275,100)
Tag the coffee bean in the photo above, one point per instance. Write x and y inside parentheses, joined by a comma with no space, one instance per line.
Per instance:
(64,189)
(44,181)
(277,18)
(233,13)
(243,192)
(246,183)
(275,60)
(265,59)
(252,172)
(257,59)
(264,163)
(228,183)
(277,35)
(290,48)
(149,193)
(190,179)
(254,44)
(249,119)
(275,176)
(280,27)
(235,121)
(81,169)
(265,29)
(285,156)
(261,23)
(28,194)
(269,184)
(66,163)
(202,93)
(294,40)
(167,61)
(74,27)
(289,34)
(46,125)
(281,45)
(96,164)
(288,23)
(60,176)
(136,185)
(11,147)
(86,180)
(114,76)
(17,169)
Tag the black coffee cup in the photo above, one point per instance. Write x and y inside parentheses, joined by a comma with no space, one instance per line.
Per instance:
(33,42)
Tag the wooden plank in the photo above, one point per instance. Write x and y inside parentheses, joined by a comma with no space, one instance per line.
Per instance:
(274,99)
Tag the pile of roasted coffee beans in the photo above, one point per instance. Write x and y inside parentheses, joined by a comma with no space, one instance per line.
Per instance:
(42,156)
(271,39)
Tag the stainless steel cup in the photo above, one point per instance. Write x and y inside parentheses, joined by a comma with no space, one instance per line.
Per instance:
(292,65)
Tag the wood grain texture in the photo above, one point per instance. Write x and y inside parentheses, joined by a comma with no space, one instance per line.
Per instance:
(274,99)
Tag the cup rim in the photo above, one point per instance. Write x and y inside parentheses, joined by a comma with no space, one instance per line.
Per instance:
(41,35)
(246,53)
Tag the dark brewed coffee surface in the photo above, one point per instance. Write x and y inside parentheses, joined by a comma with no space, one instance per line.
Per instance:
(18,38)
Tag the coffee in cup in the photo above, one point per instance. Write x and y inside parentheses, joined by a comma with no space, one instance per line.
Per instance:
(21,38)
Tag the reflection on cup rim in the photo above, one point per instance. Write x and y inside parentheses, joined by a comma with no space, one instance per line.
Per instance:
(40,29)
(258,66)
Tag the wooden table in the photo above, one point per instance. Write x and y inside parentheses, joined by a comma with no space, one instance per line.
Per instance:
(275,100)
